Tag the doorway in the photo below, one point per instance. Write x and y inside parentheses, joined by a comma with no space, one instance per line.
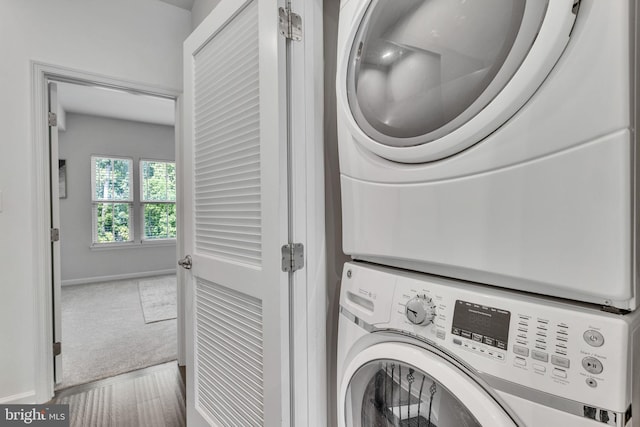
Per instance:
(116,204)
(99,246)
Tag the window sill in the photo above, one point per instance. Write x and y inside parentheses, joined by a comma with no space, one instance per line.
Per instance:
(132,245)
(158,242)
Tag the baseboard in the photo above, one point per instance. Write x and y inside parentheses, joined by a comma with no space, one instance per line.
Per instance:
(22,398)
(110,278)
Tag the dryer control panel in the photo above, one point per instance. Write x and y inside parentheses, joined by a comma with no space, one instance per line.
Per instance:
(576,352)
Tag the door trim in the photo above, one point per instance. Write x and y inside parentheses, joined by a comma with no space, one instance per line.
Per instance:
(40,73)
(309,295)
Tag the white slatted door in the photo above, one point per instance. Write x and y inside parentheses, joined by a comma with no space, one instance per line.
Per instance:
(236,221)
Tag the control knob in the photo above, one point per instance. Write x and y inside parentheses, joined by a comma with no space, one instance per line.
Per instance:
(420,310)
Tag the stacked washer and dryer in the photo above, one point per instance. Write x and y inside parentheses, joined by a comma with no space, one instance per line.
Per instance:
(488,171)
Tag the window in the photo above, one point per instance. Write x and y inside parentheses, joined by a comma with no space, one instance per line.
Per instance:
(158,199)
(112,199)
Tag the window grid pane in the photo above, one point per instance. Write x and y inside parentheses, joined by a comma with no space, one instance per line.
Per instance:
(112,222)
(160,221)
(112,179)
(158,181)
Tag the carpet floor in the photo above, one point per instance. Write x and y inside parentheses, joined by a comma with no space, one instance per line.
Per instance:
(104,332)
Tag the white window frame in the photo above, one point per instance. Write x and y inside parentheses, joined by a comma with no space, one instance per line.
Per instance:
(95,201)
(144,202)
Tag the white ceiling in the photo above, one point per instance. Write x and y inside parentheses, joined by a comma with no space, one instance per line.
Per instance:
(97,101)
(183,4)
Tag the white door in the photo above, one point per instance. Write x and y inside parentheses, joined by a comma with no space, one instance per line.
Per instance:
(236,218)
(55,227)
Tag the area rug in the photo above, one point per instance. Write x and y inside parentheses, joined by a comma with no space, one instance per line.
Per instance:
(158,299)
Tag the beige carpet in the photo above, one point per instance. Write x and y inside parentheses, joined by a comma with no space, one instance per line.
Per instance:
(104,332)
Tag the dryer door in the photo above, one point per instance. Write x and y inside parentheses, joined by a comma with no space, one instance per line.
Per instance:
(420,71)
(396,384)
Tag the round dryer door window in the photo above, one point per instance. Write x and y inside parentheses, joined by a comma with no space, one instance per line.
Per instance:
(419,69)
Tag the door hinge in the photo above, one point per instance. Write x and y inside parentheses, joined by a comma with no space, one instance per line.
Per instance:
(290,24)
(55,234)
(57,349)
(53,119)
(292,257)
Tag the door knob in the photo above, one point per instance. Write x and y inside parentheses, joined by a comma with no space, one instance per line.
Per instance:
(185,262)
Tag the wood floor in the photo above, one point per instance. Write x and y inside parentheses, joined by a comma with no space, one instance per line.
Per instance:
(153,397)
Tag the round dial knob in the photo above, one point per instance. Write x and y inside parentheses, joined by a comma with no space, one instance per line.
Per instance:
(420,310)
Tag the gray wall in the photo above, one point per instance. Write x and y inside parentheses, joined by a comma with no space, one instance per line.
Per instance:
(87,135)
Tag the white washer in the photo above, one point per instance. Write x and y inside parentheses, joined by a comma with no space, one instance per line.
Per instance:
(493,141)
(414,347)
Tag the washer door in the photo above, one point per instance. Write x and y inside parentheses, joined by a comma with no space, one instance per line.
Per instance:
(420,70)
(396,384)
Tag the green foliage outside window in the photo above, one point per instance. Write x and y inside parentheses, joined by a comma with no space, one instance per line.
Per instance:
(112,179)
(112,184)
(113,222)
(159,185)
(112,199)
(160,221)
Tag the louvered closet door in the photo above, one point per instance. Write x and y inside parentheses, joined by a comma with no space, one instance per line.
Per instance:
(235,197)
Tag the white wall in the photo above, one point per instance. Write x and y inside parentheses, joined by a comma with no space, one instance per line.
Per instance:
(200,10)
(137,41)
(86,136)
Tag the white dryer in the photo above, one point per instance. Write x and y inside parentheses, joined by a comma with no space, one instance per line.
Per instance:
(493,141)
(424,351)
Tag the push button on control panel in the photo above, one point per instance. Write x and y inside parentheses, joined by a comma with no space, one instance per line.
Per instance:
(559,373)
(593,338)
(560,361)
(539,368)
(521,351)
(540,355)
(592,365)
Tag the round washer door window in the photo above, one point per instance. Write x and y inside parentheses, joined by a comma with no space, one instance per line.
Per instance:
(396,394)
(419,69)
(396,384)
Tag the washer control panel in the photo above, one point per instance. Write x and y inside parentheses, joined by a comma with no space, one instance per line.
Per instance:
(573,351)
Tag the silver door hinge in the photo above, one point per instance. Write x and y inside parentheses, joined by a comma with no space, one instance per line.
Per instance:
(55,234)
(292,257)
(57,349)
(290,24)
(53,119)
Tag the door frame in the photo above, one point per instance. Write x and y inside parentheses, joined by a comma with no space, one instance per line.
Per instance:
(43,294)
(308,299)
